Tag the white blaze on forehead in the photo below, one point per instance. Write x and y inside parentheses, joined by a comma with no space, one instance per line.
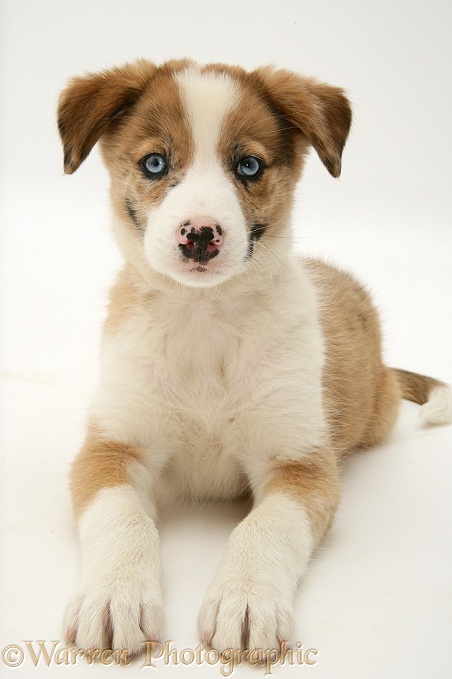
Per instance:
(208,98)
(207,189)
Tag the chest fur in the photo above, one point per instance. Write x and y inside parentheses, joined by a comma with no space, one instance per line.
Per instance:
(200,381)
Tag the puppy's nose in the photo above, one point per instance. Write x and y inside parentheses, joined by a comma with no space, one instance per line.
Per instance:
(200,239)
(198,231)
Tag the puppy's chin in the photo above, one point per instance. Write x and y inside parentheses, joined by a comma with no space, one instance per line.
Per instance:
(194,275)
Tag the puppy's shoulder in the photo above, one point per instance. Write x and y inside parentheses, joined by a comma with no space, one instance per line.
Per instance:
(335,285)
(127,302)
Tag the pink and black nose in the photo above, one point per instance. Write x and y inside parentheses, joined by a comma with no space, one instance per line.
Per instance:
(200,240)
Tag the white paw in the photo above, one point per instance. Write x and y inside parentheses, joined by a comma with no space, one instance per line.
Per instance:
(241,613)
(249,605)
(116,612)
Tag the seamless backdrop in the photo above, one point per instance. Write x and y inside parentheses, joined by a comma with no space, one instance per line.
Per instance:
(376,601)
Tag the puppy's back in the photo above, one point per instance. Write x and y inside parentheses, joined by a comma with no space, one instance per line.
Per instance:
(361,394)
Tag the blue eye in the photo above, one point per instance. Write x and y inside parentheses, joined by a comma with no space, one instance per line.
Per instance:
(249,167)
(154,165)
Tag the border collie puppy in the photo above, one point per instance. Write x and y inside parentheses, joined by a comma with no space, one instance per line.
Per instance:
(229,367)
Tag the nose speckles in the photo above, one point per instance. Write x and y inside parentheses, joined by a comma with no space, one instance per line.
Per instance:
(200,243)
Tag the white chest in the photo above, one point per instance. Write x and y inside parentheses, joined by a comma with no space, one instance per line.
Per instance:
(201,385)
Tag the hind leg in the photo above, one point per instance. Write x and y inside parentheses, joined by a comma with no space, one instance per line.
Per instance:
(385,408)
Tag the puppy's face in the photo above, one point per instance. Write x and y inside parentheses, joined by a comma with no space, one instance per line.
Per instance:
(203,160)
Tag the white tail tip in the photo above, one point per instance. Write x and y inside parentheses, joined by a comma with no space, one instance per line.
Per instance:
(438,409)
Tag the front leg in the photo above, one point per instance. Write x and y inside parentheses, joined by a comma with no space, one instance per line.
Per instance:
(250,602)
(118,603)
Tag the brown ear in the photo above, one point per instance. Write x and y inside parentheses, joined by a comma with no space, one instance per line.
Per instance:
(321,112)
(90,103)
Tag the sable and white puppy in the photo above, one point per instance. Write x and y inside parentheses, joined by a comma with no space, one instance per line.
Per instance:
(228,366)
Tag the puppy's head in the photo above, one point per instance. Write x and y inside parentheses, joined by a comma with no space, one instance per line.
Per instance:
(203,160)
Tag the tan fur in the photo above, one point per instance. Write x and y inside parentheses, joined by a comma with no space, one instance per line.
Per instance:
(101,463)
(124,300)
(254,123)
(159,125)
(91,103)
(315,484)
(415,387)
(362,397)
(320,112)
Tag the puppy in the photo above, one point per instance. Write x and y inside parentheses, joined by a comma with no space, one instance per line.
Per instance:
(228,366)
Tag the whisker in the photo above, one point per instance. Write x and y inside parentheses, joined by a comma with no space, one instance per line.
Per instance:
(276,257)
(265,267)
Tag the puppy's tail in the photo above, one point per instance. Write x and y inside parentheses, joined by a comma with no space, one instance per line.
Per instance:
(434,396)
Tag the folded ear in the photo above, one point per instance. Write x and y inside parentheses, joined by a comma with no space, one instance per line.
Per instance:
(321,112)
(90,103)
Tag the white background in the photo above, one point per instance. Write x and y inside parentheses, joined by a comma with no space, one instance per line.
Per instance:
(376,602)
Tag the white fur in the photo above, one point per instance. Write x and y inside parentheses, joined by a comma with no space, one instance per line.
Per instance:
(211,398)
(120,575)
(208,98)
(438,409)
(265,557)
(202,193)
(195,381)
